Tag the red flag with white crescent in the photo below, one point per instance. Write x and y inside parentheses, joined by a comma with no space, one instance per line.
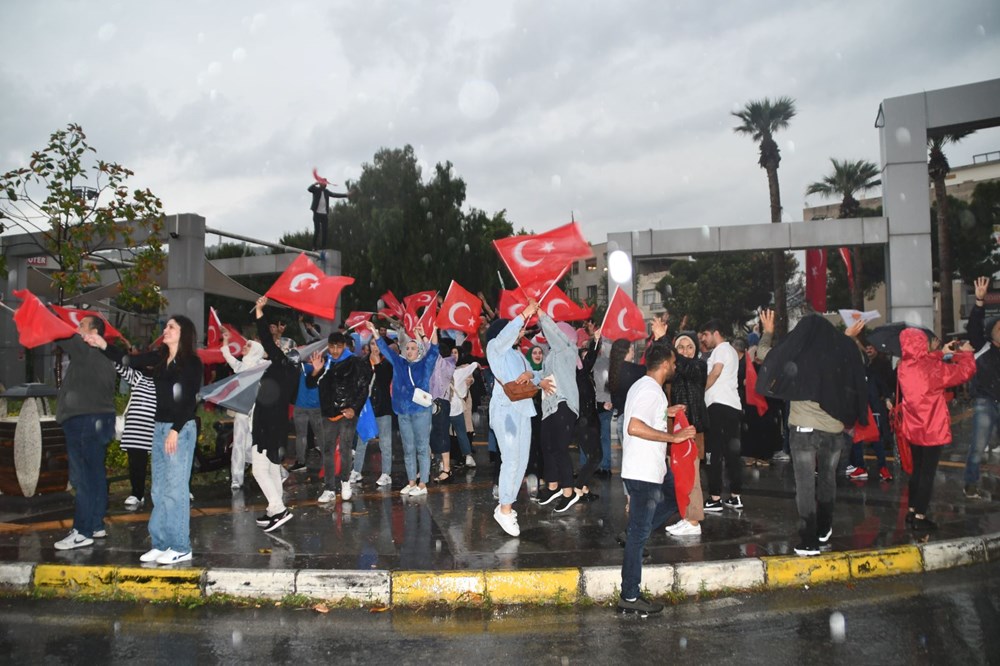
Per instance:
(421,299)
(683,464)
(460,310)
(72,316)
(623,319)
(305,287)
(427,319)
(560,307)
(393,308)
(36,325)
(212,353)
(357,318)
(541,257)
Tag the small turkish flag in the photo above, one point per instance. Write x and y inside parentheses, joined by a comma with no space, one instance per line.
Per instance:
(541,257)
(357,318)
(427,319)
(683,464)
(460,310)
(72,316)
(623,319)
(212,353)
(421,299)
(559,306)
(393,308)
(305,287)
(512,301)
(36,325)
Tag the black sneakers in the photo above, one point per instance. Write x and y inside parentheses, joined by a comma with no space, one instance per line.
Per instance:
(734,502)
(545,495)
(713,506)
(639,606)
(564,503)
(807,550)
(278,520)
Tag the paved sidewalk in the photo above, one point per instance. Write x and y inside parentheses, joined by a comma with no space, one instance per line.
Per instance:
(404,543)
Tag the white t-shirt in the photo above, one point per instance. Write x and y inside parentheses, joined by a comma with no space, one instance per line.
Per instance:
(643,459)
(724,391)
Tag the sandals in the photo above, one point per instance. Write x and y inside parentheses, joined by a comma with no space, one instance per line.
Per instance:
(443,479)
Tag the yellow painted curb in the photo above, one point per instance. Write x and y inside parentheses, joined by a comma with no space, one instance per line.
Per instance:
(71,579)
(793,571)
(159,583)
(412,588)
(533,586)
(886,562)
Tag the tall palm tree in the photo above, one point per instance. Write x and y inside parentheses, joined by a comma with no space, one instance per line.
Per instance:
(847,179)
(938,169)
(760,119)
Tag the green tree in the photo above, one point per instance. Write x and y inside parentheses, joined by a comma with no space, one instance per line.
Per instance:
(847,179)
(760,119)
(938,169)
(82,215)
(838,292)
(974,252)
(725,286)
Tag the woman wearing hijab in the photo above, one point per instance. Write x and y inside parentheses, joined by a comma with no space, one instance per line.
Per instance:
(411,376)
(536,468)
(510,421)
(253,355)
(176,372)
(923,377)
(688,388)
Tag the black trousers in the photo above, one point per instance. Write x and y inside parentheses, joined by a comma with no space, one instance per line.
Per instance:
(587,435)
(319,230)
(925,463)
(557,431)
(138,460)
(722,442)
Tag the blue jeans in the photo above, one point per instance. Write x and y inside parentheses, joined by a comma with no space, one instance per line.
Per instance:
(604,419)
(87,438)
(384,424)
(170,522)
(650,504)
(458,425)
(415,431)
(513,433)
(985,416)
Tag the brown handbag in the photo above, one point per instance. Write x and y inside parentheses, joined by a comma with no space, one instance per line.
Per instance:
(516,392)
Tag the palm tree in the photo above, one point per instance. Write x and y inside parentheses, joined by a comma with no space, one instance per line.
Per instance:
(938,169)
(760,119)
(849,178)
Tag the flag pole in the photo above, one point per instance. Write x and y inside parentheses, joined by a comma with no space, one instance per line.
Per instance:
(608,309)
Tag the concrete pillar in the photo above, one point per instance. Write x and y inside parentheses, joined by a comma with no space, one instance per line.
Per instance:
(903,146)
(12,354)
(186,268)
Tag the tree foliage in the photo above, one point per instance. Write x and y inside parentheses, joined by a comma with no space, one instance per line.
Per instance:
(974,252)
(726,286)
(83,216)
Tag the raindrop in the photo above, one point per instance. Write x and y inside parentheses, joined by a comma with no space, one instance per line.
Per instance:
(902,196)
(451,242)
(966,219)
(790,146)
(682,643)
(838,627)
(466,247)
(556,181)
(237,638)
(620,266)
(903,136)
(118,627)
(200,38)
(427,258)
(429,216)
(239,54)
(424,202)
(478,99)
(791,369)
(981,30)
(107,32)
(178,392)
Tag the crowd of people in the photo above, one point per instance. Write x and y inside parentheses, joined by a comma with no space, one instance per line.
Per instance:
(692,411)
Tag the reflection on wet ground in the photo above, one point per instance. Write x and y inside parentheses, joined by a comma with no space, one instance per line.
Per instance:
(452,527)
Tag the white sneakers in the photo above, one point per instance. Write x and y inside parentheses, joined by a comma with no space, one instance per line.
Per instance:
(407,489)
(167,556)
(327,497)
(355,476)
(346,491)
(133,502)
(507,521)
(684,528)
(384,480)
(416,491)
(73,540)
(470,461)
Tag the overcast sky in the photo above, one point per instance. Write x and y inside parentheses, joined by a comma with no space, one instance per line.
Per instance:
(616,111)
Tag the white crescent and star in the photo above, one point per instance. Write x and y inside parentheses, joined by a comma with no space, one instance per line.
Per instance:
(519,256)
(299,281)
(621,319)
(551,306)
(455,308)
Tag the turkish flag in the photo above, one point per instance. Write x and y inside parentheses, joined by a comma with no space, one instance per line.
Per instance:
(212,352)
(357,318)
(72,316)
(512,301)
(421,299)
(816,279)
(540,257)
(427,319)
(559,306)
(36,325)
(753,397)
(305,287)
(460,310)
(623,319)
(845,255)
(683,464)
(393,308)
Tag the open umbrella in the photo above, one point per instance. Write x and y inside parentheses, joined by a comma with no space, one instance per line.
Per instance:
(886,338)
(239,392)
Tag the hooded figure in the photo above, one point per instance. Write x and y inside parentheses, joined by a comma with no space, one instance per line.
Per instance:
(253,355)
(819,364)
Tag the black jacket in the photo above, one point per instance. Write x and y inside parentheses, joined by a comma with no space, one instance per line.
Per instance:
(986,382)
(688,389)
(585,384)
(817,362)
(279,386)
(318,192)
(380,393)
(342,385)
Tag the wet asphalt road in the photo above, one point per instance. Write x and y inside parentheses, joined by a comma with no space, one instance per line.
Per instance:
(952,617)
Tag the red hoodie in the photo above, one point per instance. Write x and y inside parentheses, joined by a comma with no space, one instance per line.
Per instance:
(923,377)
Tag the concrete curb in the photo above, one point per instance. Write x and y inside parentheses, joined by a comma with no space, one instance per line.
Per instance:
(533,586)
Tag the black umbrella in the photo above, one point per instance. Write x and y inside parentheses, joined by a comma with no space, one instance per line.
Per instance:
(886,338)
